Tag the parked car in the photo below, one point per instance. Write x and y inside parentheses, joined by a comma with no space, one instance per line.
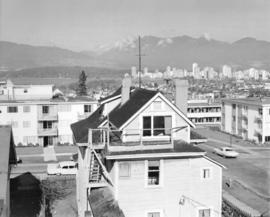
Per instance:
(62,168)
(226,152)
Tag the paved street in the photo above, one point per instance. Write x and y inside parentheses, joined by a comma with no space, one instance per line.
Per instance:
(251,170)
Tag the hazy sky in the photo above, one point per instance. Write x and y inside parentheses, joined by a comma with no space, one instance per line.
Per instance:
(84,24)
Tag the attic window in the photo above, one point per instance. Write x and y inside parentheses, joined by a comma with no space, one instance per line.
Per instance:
(157,125)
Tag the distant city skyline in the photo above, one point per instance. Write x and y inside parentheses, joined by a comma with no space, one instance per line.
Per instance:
(85,25)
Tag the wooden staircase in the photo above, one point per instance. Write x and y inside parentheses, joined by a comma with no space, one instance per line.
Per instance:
(95,169)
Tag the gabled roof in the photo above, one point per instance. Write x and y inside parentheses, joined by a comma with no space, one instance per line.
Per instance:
(122,113)
(80,128)
(115,95)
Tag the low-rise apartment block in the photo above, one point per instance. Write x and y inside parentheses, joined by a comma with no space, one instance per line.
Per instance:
(136,145)
(248,118)
(204,112)
(42,119)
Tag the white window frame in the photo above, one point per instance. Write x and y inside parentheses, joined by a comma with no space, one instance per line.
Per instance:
(160,211)
(210,173)
(151,115)
(204,207)
(161,176)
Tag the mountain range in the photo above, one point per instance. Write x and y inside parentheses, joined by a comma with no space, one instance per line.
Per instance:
(158,53)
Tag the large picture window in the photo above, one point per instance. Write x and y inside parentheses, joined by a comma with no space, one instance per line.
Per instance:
(157,125)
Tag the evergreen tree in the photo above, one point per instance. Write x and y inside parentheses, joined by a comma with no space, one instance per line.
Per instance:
(81,89)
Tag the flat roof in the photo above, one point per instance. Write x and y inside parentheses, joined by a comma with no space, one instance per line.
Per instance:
(204,104)
(180,149)
(249,100)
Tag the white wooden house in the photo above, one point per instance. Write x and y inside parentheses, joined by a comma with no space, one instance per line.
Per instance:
(137,145)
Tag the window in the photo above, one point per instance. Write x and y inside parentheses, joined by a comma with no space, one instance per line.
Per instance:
(12,109)
(87,108)
(153,214)
(26,108)
(157,125)
(234,106)
(260,111)
(153,172)
(124,169)
(45,109)
(267,138)
(147,126)
(47,125)
(26,124)
(206,173)
(25,91)
(204,213)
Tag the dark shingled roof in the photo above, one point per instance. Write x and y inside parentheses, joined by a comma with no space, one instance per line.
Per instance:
(137,100)
(116,93)
(179,146)
(103,203)
(80,128)
(194,135)
(118,116)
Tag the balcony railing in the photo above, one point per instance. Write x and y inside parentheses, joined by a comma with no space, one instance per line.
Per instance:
(133,139)
(47,116)
(47,131)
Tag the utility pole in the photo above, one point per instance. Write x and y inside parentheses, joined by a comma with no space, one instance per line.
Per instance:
(140,62)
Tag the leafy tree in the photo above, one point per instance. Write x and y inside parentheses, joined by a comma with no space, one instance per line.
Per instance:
(81,89)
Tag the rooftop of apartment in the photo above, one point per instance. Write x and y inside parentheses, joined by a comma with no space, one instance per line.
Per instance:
(256,101)
(55,100)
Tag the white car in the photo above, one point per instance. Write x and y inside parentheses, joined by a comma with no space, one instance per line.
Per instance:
(226,152)
(62,168)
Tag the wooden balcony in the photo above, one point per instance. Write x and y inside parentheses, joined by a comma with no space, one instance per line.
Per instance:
(133,139)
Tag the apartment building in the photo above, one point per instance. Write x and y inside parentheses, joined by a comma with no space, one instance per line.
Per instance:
(38,118)
(248,118)
(204,112)
(137,146)
(11,91)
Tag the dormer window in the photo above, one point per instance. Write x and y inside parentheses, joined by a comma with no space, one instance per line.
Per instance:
(157,125)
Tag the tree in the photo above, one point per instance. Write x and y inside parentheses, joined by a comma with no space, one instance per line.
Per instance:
(81,89)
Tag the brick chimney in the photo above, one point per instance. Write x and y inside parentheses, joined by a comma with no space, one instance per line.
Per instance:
(126,84)
(181,94)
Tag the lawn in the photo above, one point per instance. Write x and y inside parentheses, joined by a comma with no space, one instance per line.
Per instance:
(29,150)
(247,197)
(65,149)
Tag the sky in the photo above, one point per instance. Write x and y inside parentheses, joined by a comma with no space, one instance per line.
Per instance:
(87,24)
